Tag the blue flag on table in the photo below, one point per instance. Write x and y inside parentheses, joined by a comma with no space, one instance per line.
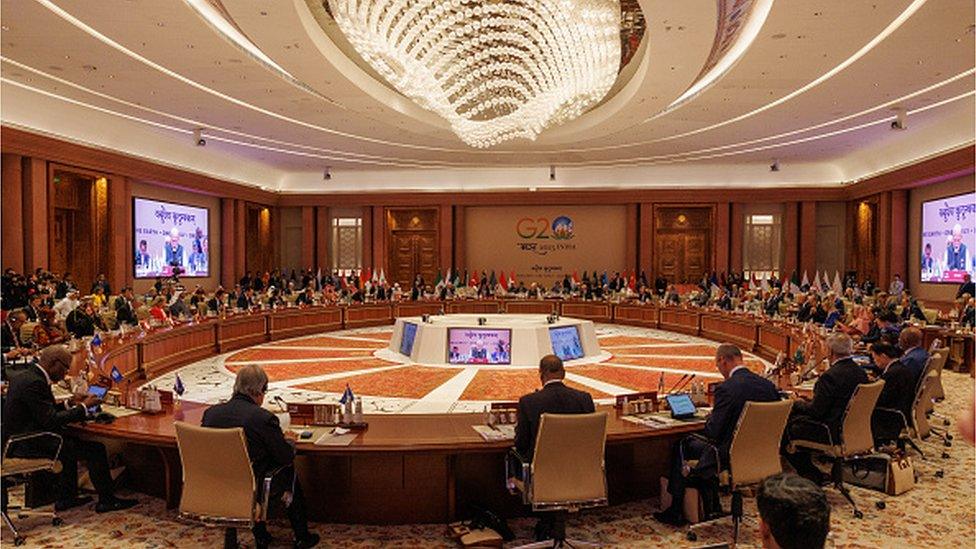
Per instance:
(347,395)
(178,387)
(96,341)
(116,375)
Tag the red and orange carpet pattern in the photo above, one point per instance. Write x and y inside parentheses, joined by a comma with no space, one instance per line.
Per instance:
(319,367)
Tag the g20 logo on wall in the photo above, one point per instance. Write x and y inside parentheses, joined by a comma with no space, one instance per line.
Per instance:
(540,228)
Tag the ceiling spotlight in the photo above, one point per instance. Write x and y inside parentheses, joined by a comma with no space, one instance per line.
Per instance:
(328,173)
(198,138)
(901,119)
(774,167)
(552,173)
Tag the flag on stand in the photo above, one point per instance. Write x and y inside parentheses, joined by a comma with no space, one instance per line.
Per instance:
(511,279)
(503,280)
(838,288)
(438,280)
(474,279)
(116,375)
(632,281)
(178,386)
(816,283)
(347,395)
(806,281)
(576,278)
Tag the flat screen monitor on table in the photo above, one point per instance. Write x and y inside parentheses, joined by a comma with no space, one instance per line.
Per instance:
(406,340)
(479,346)
(566,342)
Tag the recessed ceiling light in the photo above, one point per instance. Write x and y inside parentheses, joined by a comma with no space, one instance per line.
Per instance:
(778,36)
(90,68)
(4,27)
(160,24)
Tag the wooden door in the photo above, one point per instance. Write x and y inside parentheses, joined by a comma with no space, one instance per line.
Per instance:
(682,257)
(696,256)
(413,252)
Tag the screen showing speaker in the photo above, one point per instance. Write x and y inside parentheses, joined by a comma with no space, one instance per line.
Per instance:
(948,238)
(479,346)
(566,342)
(170,239)
(406,340)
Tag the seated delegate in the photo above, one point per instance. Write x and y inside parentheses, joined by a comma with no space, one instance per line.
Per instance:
(553,398)
(897,395)
(267,447)
(740,386)
(831,394)
(31,408)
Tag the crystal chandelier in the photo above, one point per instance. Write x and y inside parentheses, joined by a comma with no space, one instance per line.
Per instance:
(495,69)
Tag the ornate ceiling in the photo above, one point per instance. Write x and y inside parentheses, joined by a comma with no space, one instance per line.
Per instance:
(711,95)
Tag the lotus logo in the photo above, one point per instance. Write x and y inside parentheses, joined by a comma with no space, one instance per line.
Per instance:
(562,228)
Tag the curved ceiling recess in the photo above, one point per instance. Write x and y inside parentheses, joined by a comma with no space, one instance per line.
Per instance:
(497,71)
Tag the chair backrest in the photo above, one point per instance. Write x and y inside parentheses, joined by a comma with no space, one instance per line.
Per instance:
(855,432)
(218,482)
(567,466)
(939,357)
(754,453)
(923,399)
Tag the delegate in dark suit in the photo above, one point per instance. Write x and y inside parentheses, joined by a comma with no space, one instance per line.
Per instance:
(898,393)
(730,398)
(831,394)
(554,398)
(31,408)
(268,450)
(915,360)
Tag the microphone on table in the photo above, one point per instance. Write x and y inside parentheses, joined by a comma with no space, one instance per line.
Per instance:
(675,386)
(280,402)
(687,382)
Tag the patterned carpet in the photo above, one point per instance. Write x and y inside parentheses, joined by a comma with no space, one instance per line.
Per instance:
(937,513)
(317,368)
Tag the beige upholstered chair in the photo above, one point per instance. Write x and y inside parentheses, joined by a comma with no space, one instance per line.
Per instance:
(215,461)
(855,435)
(938,357)
(13,469)
(754,453)
(567,471)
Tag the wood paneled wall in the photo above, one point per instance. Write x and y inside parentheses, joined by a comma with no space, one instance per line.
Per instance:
(877,248)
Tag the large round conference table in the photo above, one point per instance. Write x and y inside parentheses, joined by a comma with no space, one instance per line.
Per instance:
(404,468)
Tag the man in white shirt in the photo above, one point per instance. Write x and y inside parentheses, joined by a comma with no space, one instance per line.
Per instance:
(67,304)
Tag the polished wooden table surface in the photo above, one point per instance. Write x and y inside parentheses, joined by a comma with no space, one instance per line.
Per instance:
(386,432)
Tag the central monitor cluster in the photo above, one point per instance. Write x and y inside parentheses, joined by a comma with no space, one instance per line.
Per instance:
(492,339)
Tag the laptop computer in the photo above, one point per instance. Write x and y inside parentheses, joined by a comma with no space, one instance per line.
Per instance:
(681,406)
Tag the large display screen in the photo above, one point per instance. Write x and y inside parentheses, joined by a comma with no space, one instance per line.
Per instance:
(479,346)
(170,239)
(406,340)
(566,342)
(948,238)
